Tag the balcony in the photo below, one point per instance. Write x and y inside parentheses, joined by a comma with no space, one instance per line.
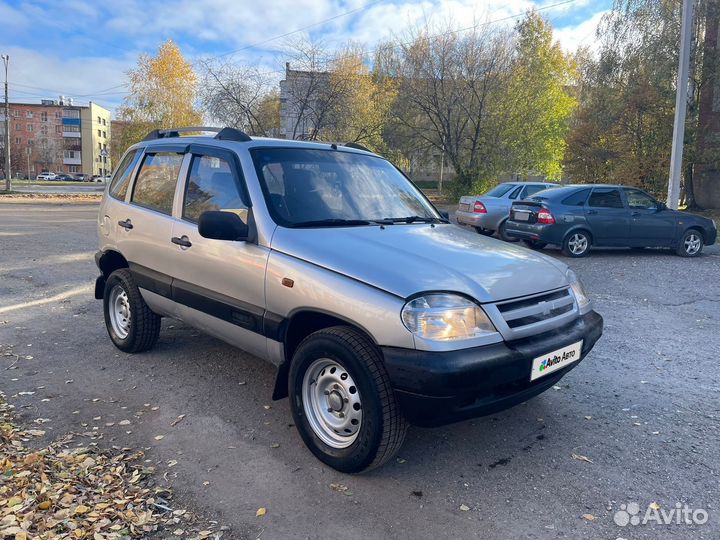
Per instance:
(71,134)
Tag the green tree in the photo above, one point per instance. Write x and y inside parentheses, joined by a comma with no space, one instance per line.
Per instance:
(162,95)
(538,105)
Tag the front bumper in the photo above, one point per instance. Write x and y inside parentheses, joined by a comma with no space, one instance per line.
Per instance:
(436,388)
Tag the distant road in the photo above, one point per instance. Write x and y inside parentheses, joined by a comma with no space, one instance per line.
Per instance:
(65,188)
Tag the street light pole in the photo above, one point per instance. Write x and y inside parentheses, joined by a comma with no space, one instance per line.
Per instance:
(673,195)
(8,173)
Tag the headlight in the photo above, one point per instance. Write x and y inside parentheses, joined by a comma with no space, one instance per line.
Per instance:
(577,289)
(445,317)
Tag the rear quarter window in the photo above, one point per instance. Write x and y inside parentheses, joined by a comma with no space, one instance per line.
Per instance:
(120,182)
(577,198)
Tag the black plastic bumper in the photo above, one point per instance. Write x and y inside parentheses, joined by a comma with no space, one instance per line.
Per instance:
(436,388)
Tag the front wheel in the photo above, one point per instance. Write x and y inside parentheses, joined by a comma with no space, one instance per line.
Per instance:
(502,233)
(691,244)
(576,244)
(342,402)
(133,327)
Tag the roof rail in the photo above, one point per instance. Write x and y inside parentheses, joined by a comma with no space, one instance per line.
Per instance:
(225,134)
(357,146)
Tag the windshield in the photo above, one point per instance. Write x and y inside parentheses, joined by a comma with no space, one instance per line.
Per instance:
(499,190)
(335,188)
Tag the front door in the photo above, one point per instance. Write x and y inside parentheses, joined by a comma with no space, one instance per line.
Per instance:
(608,217)
(219,284)
(650,226)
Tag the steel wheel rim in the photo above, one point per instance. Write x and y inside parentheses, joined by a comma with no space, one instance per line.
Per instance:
(119,310)
(692,244)
(332,403)
(578,243)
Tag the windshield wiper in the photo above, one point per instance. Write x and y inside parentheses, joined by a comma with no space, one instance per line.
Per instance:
(333,222)
(411,219)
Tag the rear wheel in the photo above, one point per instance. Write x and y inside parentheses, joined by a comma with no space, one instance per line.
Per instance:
(342,402)
(484,232)
(576,244)
(534,244)
(133,327)
(502,233)
(691,244)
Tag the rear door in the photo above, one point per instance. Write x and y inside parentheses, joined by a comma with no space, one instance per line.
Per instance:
(144,226)
(649,225)
(608,217)
(219,284)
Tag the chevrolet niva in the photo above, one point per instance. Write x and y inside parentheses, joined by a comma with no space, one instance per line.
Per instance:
(325,260)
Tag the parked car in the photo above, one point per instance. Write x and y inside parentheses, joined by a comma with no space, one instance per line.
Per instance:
(326,261)
(80,177)
(46,176)
(487,213)
(578,217)
(100,178)
(64,177)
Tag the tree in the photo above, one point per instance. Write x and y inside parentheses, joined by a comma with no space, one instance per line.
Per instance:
(240,97)
(449,87)
(537,107)
(162,95)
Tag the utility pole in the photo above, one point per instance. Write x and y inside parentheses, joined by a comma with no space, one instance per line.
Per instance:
(680,106)
(8,173)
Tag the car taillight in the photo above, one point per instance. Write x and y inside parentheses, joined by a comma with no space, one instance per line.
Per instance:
(479,208)
(544,216)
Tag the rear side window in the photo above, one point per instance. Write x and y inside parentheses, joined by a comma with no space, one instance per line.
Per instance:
(532,190)
(499,190)
(212,186)
(515,193)
(577,199)
(605,198)
(156,180)
(121,180)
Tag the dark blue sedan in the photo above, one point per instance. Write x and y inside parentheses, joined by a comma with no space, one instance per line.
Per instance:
(577,217)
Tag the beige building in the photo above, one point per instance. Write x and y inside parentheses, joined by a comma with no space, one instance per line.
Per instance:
(95,127)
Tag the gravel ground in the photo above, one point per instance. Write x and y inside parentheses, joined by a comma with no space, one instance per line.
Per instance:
(642,408)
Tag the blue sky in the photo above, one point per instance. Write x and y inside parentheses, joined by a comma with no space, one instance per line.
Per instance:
(82,48)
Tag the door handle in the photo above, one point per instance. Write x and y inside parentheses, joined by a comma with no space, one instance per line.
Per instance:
(126,224)
(181,241)
(592,211)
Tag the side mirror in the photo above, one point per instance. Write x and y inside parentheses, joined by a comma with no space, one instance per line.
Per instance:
(219,225)
(445,214)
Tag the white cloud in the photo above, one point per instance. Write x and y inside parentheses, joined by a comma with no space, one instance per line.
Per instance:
(582,34)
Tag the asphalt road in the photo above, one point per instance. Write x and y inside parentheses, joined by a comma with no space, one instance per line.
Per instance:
(643,408)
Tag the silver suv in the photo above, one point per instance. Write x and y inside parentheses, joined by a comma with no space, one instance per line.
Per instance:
(328,262)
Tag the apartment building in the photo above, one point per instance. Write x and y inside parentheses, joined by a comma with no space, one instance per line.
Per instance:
(58,136)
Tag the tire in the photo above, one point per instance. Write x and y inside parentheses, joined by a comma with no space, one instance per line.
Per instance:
(577,244)
(484,232)
(534,244)
(503,234)
(133,327)
(358,426)
(691,244)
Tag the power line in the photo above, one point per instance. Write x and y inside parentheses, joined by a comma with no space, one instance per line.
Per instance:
(286,34)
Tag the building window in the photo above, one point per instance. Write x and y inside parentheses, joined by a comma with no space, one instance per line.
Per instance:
(31,142)
(99,133)
(71,113)
(29,114)
(104,134)
(16,113)
(57,114)
(99,146)
(43,116)
(18,127)
(58,129)
(17,140)
(104,124)
(74,129)
(29,127)
(44,129)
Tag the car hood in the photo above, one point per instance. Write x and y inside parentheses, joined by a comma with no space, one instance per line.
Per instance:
(407,259)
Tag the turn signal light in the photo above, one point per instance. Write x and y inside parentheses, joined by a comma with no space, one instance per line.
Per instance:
(479,208)
(544,216)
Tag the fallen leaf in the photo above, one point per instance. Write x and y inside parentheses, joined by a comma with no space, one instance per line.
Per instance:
(260,512)
(580,457)
(124,423)
(464,507)
(654,506)
(159,437)
(588,418)
(177,420)
(275,445)
(588,517)
(338,487)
